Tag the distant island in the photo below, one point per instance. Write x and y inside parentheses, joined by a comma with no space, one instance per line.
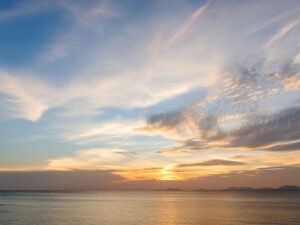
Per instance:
(282,188)
(289,187)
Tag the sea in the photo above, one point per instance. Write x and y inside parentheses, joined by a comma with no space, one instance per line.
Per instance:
(150,207)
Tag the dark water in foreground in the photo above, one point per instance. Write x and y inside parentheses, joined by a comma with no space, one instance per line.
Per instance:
(207,208)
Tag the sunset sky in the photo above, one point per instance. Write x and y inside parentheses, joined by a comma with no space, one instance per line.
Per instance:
(149,94)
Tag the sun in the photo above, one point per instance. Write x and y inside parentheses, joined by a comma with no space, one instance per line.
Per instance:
(167,173)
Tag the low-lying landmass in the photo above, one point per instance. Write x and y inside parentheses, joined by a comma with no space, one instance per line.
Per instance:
(281,188)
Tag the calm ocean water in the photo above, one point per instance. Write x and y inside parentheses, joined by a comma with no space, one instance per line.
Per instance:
(142,208)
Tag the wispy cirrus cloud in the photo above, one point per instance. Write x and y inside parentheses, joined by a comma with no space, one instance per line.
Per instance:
(282,32)
(91,159)
(171,74)
(30,97)
(213,162)
(182,30)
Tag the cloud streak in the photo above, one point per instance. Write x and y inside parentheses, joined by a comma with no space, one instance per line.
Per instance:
(183,29)
(277,132)
(91,159)
(213,162)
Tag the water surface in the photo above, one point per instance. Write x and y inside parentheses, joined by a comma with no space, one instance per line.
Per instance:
(130,208)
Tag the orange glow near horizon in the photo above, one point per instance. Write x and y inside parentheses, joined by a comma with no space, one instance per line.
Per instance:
(165,173)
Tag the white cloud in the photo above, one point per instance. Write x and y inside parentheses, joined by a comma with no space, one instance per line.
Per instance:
(108,79)
(283,46)
(28,97)
(91,159)
(115,128)
(297,59)
(120,73)
(268,22)
(159,80)
(182,30)
(282,32)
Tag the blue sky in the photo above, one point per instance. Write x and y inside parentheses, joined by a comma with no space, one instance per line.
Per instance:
(130,85)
